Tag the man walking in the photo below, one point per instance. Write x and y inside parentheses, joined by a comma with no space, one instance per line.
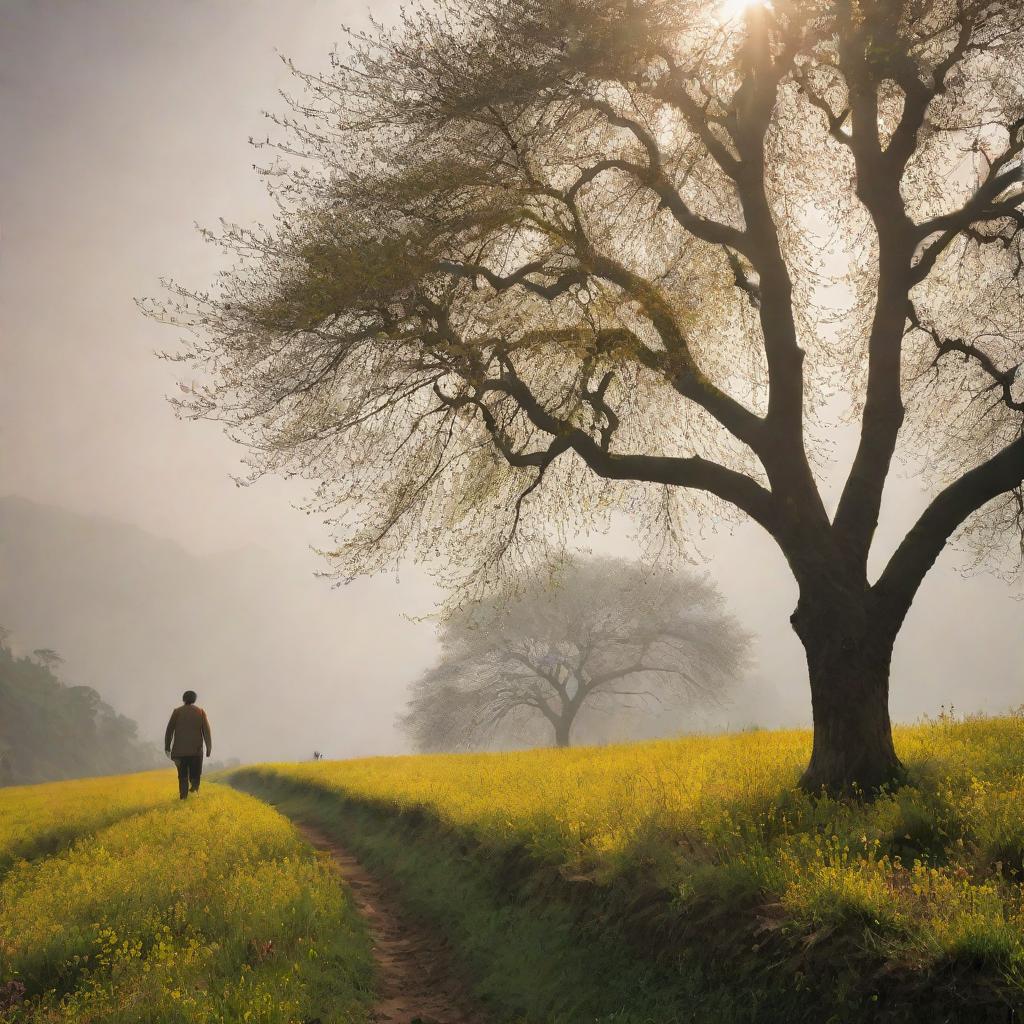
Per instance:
(187,732)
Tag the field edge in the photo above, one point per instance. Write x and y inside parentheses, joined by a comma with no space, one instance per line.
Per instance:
(544,948)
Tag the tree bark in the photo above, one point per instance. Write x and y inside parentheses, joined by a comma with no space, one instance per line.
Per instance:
(848,661)
(848,639)
(563,726)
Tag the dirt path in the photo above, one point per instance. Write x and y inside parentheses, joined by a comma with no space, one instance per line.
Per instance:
(417,984)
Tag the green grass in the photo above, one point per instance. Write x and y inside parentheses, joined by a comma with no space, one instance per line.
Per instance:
(529,954)
(690,880)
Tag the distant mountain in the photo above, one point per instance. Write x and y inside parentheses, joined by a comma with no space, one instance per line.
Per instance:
(283,663)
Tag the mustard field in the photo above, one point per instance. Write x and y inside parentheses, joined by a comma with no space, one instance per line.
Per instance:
(680,880)
(40,819)
(925,879)
(119,903)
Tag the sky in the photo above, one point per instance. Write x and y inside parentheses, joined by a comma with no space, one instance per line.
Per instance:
(123,124)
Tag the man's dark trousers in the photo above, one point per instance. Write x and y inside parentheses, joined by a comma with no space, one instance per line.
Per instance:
(189,770)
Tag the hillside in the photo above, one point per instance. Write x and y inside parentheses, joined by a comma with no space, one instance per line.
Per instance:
(642,882)
(52,730)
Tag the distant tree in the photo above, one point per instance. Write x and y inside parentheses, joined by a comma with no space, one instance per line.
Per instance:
(48,658)
(539,260)
(603,636)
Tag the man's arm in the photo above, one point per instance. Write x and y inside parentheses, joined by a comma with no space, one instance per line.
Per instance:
(169,732)
(206,734)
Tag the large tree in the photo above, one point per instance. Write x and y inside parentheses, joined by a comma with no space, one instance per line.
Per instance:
(602,638)
(539,260)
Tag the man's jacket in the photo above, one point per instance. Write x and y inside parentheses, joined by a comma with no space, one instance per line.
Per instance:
(189,729)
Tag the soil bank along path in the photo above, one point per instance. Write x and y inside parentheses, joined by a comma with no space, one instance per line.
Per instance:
(415,977)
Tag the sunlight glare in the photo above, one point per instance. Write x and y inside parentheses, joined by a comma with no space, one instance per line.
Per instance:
(730,10)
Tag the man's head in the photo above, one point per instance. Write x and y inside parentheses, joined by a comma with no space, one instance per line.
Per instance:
(189,696)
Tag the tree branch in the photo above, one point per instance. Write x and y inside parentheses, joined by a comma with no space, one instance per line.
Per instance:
(655,176)
(984,206)
(899,583)
(1002,380)
(694,472)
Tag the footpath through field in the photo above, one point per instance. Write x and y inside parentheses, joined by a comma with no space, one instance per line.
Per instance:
(416,984)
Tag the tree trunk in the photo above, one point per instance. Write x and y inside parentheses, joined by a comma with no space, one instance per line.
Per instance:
(849,652)
(848,660)
(563,726)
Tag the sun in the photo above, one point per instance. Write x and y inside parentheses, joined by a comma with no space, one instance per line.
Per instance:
(731,10)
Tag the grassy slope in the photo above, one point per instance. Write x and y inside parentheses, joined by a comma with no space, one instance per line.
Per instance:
(213,910)
(41,819)
(695,866)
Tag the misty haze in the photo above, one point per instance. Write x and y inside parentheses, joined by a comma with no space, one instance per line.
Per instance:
(86,432)
(511,387)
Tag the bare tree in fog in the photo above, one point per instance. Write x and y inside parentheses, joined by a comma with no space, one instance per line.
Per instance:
(540,260)
(601,637)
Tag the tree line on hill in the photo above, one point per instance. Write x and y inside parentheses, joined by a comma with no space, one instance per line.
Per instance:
(51,730)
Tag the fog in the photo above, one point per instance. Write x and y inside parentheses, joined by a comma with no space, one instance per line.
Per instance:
(124,123)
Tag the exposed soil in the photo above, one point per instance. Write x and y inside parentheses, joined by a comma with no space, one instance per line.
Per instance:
(417,983)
